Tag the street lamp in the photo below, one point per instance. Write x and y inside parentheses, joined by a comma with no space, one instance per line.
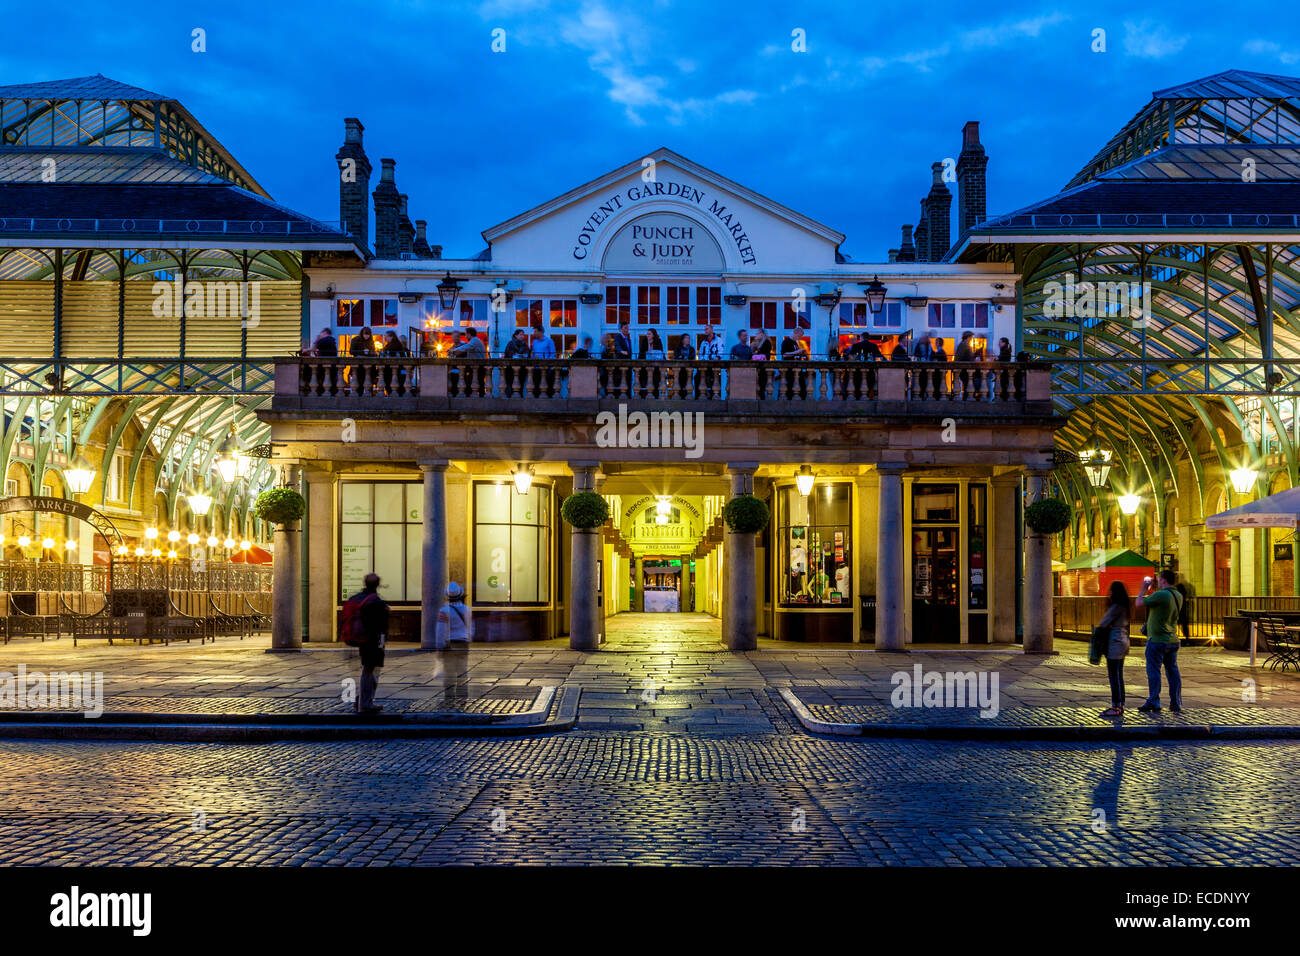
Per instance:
(805,480)
(875,295)
(1243,479)
(448,290)
(200,503)
(228,457)
(1128,504)
(1096,465)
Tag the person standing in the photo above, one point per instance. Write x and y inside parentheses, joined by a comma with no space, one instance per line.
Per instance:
(684,352)
(924,351)
(394,348)
(516,348)
(453,634)
(326,346)
(543,348)
(709,350)
(965,351)
(365,626)
(1163,606)
(362,345)
(1004,350)
(741,352)
(1116,622)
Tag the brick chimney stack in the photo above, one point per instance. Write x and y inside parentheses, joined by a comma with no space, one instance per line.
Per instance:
(421,244)
(387,201)
(972,198)
(938,216)
(405,228)
(354,181)
(922,236)
(907,251)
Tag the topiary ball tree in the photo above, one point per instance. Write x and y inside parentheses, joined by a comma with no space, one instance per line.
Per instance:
(1048,516)
(280,506)
(585,510)
(745,514)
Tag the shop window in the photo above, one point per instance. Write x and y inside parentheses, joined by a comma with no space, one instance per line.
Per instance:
(618,304)
(647,305)
(891,316)
(816,546)
(974,315)
(762,315)
(380,530)
(708,305)
(977,546)
(564,314)
(350,313)
(528,313)
(678,305)
(943,315)
(934,504)
(383,313)
(511,544)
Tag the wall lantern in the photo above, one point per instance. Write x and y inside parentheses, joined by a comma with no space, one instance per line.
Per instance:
(1243,479)
(875,295)
(805,480)
(663,505)
(1128,504)
(79,475)
(448,290)
(523,478)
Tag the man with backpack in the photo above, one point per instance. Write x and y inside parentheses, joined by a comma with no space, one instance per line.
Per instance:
(365,627)
(1161,629)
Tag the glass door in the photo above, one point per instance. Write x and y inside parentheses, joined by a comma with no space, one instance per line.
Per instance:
(936,564)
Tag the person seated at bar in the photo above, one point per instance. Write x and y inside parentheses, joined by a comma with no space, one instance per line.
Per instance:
(517,348)
(394,348)
(924,351)
(326,346)
(362,345)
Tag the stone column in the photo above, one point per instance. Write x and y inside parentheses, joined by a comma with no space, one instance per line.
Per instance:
(1234,571)
(286,589)
(322,599)
(890,579)
(433,553)
(585,621)
(739,610)
(1037,615)
(1207,563)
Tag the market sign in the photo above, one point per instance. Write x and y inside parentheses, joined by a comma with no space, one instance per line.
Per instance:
(663,241)
(62,506)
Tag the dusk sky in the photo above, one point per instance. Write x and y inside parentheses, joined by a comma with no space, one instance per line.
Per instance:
(844,132)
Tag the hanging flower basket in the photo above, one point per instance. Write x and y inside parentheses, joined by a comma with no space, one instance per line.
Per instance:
(746,514)
(585,510)
(1048,516)
(280,506)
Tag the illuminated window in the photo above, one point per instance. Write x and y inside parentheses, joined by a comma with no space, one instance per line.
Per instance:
(647,304)
(511,544)
(708,305)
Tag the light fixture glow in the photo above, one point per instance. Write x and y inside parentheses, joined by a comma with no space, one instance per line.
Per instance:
(661,519)
(523,479)
(173,535)
(1129,503)
(1096,465)
(123,550)
(212,541)
(47,543)
(79,475)
(171,552)
(139,552)
(151,533)
(228,543)
(200,503)
(805,480)
(663,505)
(69,545)
(191,538)
(24,540)
(1243,479)
(227,460)
(245,545)
(156,552)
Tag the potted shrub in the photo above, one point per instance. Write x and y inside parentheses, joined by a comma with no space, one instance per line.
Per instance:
(280,506)
(1048,516)
(585,510)
(746,514)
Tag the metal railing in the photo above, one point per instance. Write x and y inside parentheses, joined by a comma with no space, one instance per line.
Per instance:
(1077,616)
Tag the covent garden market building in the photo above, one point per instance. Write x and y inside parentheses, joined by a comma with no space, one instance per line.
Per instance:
(161,313)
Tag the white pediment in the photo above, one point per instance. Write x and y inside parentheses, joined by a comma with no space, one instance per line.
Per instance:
(658,215)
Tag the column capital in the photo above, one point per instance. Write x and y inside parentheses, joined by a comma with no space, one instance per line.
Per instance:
(433,464)
(891,467)
(742,467)
(318,475)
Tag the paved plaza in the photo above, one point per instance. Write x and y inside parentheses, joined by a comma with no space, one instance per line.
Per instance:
(682,753)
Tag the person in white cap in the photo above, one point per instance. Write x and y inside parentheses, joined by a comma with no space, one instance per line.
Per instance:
(455,631)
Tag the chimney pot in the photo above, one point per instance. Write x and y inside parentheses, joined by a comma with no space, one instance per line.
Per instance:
(388,174)
(936,174)
(970,134)
(352,130)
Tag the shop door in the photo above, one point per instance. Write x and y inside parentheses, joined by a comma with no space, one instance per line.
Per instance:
(935,568)
(1222,563)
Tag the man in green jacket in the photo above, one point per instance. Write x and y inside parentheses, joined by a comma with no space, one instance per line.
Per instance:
(1163,605)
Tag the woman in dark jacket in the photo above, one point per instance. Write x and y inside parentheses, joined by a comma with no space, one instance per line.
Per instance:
(1115,620)
(362,344)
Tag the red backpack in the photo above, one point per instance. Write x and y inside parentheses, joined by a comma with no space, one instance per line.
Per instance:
(352,630)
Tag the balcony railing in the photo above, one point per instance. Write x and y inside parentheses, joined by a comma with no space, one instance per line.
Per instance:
(431,384)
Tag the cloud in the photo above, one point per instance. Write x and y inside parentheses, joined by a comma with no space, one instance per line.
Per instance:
(994,36)
(1270,48)
(1150,40)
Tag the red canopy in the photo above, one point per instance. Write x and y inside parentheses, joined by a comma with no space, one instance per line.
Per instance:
(253,555)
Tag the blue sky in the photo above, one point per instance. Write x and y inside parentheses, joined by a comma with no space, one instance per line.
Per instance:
(844,132)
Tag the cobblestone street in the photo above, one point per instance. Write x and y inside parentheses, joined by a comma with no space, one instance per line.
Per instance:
(683,753)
